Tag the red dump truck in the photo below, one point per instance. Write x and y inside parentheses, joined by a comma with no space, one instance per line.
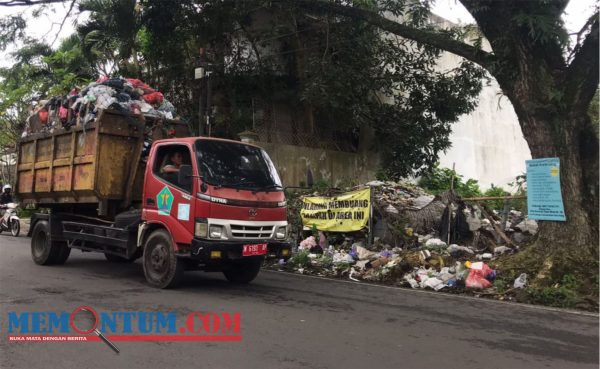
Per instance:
(190,203)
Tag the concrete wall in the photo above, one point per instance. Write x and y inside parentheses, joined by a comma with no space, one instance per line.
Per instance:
(488,143)
(336,167)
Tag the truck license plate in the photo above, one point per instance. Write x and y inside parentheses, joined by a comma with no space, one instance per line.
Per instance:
(252,250)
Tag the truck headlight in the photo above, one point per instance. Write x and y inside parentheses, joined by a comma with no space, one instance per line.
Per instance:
(281,232)
(201,230)
(215,231)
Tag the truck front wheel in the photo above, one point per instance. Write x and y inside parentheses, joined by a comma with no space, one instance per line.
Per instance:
(243,272)
(44,251)
(161,267)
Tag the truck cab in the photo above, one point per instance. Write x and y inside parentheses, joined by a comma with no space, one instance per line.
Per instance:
(220,202)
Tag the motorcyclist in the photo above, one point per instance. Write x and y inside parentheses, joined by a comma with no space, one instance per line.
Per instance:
(6,196)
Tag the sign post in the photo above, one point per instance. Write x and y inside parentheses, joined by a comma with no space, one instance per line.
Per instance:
(544,198)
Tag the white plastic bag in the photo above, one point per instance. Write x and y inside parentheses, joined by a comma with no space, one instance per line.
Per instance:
(521,281)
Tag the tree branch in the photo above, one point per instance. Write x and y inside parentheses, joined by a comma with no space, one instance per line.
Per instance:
(579,34)
(431,38)
(582,74)
(63,21)
(28,2)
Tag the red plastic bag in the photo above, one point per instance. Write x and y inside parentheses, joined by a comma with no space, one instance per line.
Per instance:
(477,276)
(43,115)
(102,79)
(136,83)
(155,98)
(63,113)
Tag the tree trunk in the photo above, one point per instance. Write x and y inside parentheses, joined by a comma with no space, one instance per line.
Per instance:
(573,244)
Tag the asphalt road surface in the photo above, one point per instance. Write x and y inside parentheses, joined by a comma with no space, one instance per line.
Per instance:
(287,321)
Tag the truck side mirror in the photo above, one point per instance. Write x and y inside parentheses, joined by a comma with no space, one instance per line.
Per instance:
(185,175)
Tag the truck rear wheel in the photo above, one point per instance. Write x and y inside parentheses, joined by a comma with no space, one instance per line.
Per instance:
(244,272)
(161,266)
(43,250)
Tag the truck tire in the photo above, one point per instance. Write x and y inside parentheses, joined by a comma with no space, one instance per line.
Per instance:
(43,250)
(244,272)
(63,253)
(128,219)
(118,259)
(161,266)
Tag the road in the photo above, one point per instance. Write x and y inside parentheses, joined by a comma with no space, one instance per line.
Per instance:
(288,321)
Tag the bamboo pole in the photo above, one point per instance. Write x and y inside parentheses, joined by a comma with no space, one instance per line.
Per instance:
(495,198)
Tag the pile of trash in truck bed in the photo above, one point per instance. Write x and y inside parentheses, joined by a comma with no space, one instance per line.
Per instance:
(415,244)
(81,106)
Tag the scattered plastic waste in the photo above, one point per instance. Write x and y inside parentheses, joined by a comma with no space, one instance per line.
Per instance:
(521,281)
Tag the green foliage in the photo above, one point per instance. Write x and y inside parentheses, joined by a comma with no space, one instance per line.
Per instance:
(300,260)
(562,295)
(521,184)
(37,73)
(502,285)
(315,232)
(494,191)
(12,29)
(109,35)
(321,185)
(331,71)
(439,180)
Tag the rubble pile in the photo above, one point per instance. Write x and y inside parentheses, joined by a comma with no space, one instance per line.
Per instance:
(410,247)
(81,107)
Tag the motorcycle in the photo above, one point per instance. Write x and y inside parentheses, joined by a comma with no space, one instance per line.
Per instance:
(10,221)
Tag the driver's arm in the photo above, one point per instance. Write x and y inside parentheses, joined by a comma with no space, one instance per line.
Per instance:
(169,169)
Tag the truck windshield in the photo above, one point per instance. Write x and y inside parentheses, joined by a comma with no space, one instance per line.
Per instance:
(228,164)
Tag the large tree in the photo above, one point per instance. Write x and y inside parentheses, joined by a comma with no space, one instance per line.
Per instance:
(549,83)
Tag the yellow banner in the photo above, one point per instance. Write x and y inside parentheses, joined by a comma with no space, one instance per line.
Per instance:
(344,213)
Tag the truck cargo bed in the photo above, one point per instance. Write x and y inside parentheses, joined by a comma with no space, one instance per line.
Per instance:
(99,165)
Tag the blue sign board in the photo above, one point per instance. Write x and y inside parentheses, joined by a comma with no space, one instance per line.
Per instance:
(544,199)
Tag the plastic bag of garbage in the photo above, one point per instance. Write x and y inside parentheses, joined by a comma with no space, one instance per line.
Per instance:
(456,249)
(363,253)
(477,281)
(434,283)
(435,243)
(521,281)
(340,257)
(413,283)
(308,243)
(477,276)
(385,254)
(502,250)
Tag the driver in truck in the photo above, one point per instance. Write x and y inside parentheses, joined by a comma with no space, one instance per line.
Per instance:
(176,160)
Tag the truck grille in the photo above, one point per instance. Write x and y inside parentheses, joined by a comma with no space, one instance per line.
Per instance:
(249,232)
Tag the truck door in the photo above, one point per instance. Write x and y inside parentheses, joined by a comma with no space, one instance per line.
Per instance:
(165,199)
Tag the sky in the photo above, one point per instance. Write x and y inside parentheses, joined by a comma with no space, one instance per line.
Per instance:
(576,14)
(47,26)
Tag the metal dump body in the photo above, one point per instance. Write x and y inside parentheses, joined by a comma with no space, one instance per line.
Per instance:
(99,165)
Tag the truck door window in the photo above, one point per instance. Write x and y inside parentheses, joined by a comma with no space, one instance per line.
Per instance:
(167,162)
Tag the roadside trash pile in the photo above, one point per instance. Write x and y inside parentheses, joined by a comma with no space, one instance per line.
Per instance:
(411,249)
(81,107)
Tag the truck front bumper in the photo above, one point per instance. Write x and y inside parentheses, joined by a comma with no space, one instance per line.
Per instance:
(207,251)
